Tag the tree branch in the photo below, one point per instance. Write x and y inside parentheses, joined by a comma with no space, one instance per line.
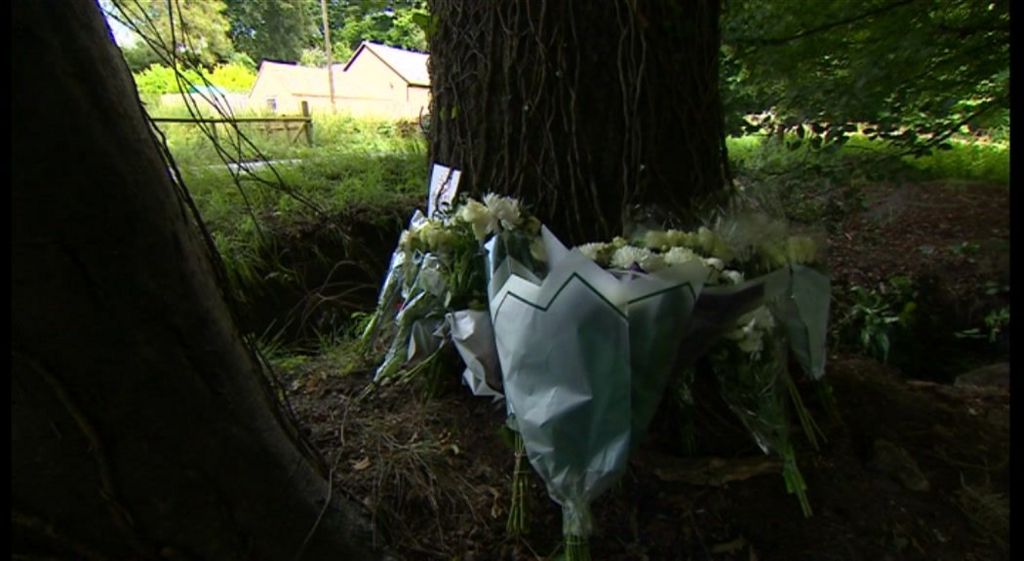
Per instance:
(776,41)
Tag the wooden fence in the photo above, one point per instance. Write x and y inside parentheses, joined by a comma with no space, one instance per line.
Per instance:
(270,124)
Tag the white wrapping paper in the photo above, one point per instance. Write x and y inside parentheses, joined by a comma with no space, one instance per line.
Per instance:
(584,356)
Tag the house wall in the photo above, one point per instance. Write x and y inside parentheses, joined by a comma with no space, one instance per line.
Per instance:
(236,101)
(289,87)
(372,78)
(370,88)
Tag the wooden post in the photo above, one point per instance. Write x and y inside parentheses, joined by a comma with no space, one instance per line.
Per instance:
(327,49)
(308,125)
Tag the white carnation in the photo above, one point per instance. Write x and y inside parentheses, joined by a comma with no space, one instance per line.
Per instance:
(652,262)
(591,250)
(715,263)
(504,209)
(680,255)
(627,255)
(678,238)
(752,327)
(656,239)
(705,238)
(732,277)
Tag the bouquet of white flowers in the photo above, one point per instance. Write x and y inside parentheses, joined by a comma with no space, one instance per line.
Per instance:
(435,290)
(585,355)
(745,324)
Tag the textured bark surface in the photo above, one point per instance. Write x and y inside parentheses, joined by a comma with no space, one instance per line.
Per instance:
(142,427)
(598,114)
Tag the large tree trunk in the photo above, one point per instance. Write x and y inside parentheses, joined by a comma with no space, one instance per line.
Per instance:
(594,112)
(141,425)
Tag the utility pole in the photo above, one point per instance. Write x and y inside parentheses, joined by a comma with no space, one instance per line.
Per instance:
(327,48)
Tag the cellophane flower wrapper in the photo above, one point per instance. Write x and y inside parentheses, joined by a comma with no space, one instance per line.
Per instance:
(803,311)
(437,269)
(435,290)
(473,336)
(754,386)
(797,296)
(423,300)
(401,270)
(585,354)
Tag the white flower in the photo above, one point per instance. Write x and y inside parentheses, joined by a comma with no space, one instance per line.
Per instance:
(705,238)
(715,263)
(537,250)
(732,277)
(591,250)
(479,217)
(408,240)
(678,238)
(656,239)
(760,318)
(626,256)
(504,209)
(432,234)
(751,344)
(652,262)
(752,327)
(680,255)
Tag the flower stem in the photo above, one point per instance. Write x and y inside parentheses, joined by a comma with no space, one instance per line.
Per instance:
(828,400)
(517,519)
(577,548)
(806,421)
(794,481)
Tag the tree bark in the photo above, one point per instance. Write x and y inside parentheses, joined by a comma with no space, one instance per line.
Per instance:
(600,115)
(142,427)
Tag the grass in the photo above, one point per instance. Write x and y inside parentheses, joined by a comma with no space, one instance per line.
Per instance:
(354,162)
(967,160)
(824,186)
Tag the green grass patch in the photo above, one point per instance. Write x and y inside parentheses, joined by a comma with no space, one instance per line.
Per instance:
(354,163)
(970,161)
(860,157)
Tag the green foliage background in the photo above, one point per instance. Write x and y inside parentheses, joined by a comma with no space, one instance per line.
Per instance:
(916,72)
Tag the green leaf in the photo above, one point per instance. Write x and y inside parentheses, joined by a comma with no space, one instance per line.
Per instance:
(424,22)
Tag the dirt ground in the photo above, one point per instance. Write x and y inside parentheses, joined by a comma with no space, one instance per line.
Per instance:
(911,470)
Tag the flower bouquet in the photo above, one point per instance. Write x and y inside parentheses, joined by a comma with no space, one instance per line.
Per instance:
(751,368)
(435,291)
(585,355)
(748,328)
(745,325)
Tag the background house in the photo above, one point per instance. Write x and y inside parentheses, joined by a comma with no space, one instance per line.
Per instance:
(383,81)
(377,81)
(280,88)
